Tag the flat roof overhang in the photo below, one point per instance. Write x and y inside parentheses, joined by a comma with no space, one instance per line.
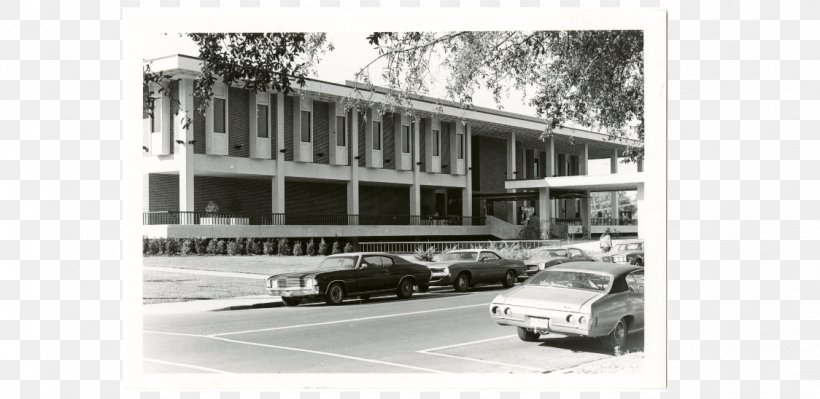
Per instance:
(611,182)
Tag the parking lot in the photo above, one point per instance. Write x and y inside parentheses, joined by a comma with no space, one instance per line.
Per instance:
(437,332)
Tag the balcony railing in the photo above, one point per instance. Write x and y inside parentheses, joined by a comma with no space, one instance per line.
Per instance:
(595,222)
(287,219)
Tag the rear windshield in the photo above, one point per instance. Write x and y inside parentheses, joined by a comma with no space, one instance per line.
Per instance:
(571,279)
(630,247)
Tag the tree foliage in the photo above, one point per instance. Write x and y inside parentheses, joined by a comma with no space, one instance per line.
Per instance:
(255,61)
(590,78)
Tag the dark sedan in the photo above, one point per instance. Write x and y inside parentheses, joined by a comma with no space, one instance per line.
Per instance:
(468,267)
(350,275)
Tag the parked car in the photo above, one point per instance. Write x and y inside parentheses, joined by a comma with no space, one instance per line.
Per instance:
(630,252)
(351,275)
(591,299)
(543,257)
(467,267)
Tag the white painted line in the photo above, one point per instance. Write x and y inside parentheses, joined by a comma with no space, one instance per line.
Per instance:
(467,343)
(347,320)
(190,366)
(483,361)
(252,276)
(173,333)
(361,359)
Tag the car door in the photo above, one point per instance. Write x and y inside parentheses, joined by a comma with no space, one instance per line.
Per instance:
(393,273)
(634,281)
(491,268)
(371,274)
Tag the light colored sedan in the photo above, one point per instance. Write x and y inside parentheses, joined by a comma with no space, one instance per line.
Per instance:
(592,299)
(544,257)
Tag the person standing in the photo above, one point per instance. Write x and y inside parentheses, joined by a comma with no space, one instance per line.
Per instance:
(605,242)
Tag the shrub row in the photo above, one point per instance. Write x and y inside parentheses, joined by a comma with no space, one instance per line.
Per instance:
(240,246)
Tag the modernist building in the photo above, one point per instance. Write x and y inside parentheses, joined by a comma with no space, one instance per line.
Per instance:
(302,165)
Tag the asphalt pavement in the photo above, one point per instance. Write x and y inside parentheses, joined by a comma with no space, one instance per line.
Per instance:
(436,332)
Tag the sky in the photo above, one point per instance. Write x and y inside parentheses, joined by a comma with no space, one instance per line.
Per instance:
(351,53)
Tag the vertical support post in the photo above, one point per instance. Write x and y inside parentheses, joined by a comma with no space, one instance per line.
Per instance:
(467,193)
(184,153)
(585,222)
(511,162)
(353,183)
(544,210)
(415,188)
(278,181)
(613,161)
(640,164)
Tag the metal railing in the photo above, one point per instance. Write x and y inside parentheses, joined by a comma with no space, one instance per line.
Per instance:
(565,221)
(407,247)
(612,222)
(288,219)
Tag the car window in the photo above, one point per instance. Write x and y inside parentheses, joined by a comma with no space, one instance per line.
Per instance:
(635,281)
(454,256)
(489,255)
(575,252)
(372,261)
(571,279)
(387,261)
(561,252)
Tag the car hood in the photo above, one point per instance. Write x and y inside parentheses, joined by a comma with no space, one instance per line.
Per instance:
(553,298)
(311,273)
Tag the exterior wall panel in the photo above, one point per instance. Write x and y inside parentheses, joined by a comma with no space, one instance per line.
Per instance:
(321,133)
(492,158)
(171,119)
(163,192)
(422,145)
(384,200)
(238,137)
(199,127)
(307,198)
(288,128)
(273,124)
(246,197)
(389,145)
(447,129)
(362,140)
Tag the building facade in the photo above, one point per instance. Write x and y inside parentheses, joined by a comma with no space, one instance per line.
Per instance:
(305,165)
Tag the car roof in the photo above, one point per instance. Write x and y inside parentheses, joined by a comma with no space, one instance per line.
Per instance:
(614,269)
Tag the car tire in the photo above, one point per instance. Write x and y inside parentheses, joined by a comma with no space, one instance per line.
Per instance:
(405,289)
(616,341)
(462,282)
(424,288)
(527,335)
(638,262)
(335,294)
(291,301)
(509,279)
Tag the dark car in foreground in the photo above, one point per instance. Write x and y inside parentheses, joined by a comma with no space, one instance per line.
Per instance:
(591,299)
(630,252)
(341,276)
(466,268)
(542,258)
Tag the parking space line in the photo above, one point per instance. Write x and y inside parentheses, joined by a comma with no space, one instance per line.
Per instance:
(190,366)
(361,359)
(346,321)
(482,361)
(467,343)
(173,333)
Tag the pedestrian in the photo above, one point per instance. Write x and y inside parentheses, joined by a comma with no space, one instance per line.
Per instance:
(606,242)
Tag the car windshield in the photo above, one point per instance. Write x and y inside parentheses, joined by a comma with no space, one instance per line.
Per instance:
(630,247)
(338,262)
(550,254)
(455,256)
(571,279)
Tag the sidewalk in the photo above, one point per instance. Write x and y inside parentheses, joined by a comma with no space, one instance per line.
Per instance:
(245,302)
(207,272)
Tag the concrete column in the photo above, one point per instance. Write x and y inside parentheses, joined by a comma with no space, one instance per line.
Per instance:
(544,209)
(585,222)
(184,153)
(550,161)
(614,205)
(415,188)
(643,227)
(278,180)
(353,183)
(511,162)
(467,193)
(640,164)
(583,160)
(613,161)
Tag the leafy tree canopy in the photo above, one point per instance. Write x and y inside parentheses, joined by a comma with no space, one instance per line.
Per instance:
(592,78)
(257,61)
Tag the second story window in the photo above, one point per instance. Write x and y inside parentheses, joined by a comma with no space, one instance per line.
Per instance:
(377,135)
(306,127)
(436,143)
(261,121)
(405,139)
(460,145)
(341,133)
(220,115)
(536,168)
(156,115)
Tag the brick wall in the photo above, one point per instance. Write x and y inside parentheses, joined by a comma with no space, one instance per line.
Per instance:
(492,164)
(289,104)
(174,96)
(273,125)
(321,133)
(389,145)
(163,192)
(315,198)
(243,196)
(422,143)
(199,127)
(447,129)
(238,135)
(362,138)
(384,200)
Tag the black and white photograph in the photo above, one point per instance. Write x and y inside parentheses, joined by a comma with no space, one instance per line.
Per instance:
(411,203)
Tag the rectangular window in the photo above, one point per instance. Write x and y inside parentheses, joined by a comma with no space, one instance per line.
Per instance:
(405,139)
(436,143)
(341,131)
(261,121)
(306,126)
(377,135)
(536,169)
(460,146)
(219,115)
(156,117)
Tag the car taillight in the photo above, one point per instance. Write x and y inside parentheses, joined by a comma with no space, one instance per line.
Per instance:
(582,320)
(569,318)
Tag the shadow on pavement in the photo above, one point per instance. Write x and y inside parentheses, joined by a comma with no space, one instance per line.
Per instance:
(584,344)
(262,305)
